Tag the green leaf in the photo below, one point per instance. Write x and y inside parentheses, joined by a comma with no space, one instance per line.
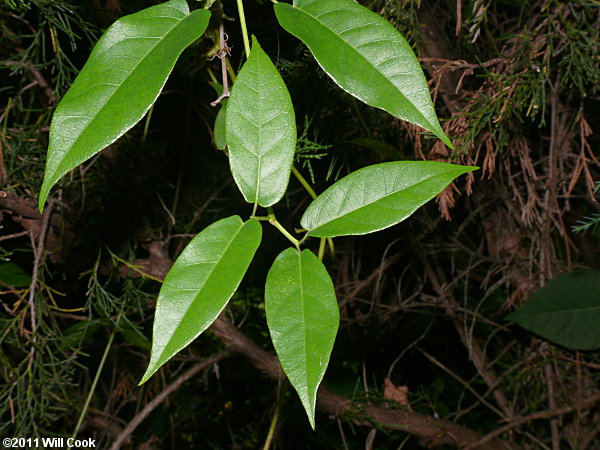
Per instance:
(365,55)
(199,285)
(77,334)
(132,334)
(565,311)
(303,319)
(13,275)
(261,130)
(120,81)
(377,197)
(219,128)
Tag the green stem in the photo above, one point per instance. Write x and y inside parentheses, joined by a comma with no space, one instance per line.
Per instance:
(240,6)
(313,194)
(273,221)
(230,70)
(331,247)
(304,183)
(285,232)
(360,118)
(96,378)
(322,248)
(271,430)
(212,75)
(147,124)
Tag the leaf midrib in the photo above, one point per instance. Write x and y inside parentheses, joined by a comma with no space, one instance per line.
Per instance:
(303,323)
(381,74)
(201,289)
(382,198)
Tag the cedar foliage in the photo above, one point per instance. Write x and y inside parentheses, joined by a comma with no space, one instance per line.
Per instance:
(517,85)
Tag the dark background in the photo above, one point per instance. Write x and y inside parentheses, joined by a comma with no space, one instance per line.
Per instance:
(423,303)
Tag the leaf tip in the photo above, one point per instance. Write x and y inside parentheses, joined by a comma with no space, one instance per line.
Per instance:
(149,372)
(44,191)
(446,140)
(309,408)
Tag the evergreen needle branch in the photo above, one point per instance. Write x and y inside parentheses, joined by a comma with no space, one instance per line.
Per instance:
(240,7)
(97,376)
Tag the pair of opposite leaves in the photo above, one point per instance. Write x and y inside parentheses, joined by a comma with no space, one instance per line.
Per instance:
(130,64)
(366,56)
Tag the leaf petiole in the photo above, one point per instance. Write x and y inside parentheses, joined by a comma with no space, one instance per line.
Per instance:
(273,221)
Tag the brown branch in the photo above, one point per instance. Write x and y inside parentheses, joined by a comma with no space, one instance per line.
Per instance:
(534,416)
(224,50)
(37,76)
(38,251)
(41,82)
(475,351)
(156,401)
(428,429)
(14,235)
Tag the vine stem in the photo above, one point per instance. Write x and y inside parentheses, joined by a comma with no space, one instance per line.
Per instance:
(273,221)
(304,183)
(321,249)
(271,430)
(240,7)
(313,194)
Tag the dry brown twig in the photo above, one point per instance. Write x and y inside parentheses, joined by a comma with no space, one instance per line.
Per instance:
(475,351)
(428,429)
(38,251)
(156,401)
(549,414)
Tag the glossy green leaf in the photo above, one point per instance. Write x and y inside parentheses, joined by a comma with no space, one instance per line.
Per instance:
(365,55)
(199,285)
(121,79)
(261,130)
(377,197)
(132,334)
(303,319)
(565,311)
(12,275)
